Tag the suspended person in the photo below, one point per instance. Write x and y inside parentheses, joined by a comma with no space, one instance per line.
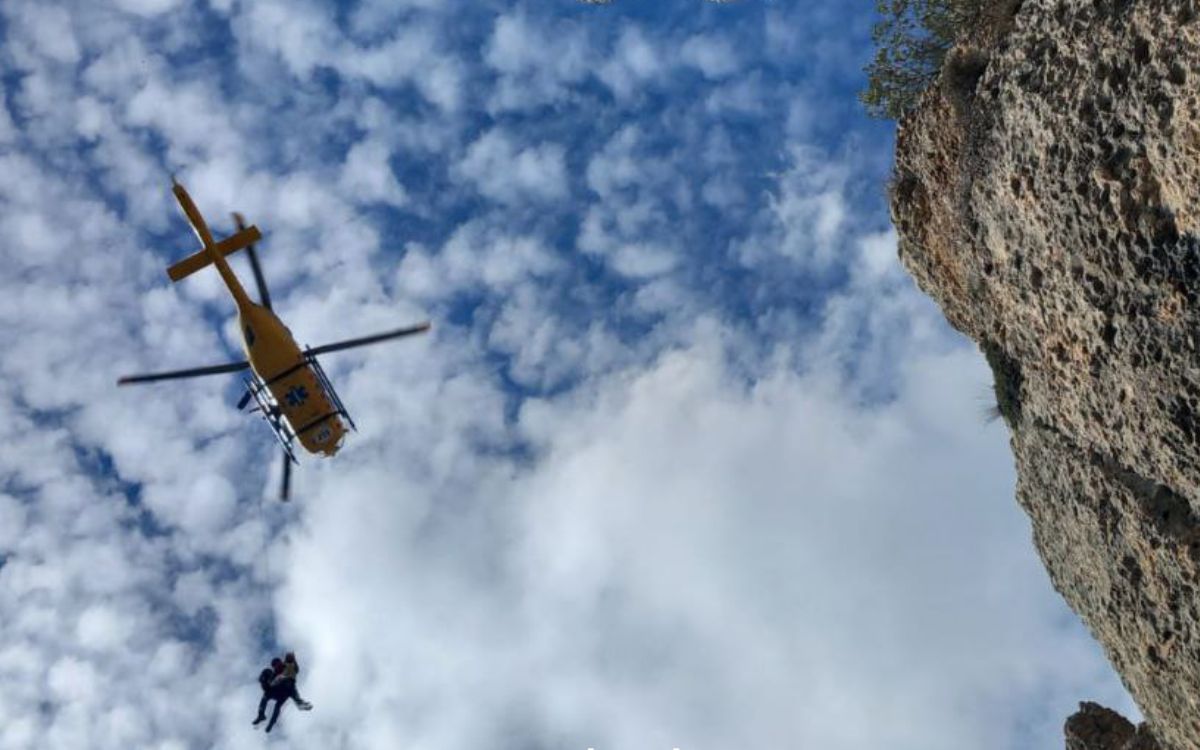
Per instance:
(283,686)
(265,678)
(287,679)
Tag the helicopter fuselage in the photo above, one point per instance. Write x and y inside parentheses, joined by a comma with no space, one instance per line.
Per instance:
(279,362)
(274,355)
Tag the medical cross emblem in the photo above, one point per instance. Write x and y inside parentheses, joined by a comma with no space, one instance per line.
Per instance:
(297,395)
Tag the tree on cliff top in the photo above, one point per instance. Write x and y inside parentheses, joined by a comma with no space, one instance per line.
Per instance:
(913,37)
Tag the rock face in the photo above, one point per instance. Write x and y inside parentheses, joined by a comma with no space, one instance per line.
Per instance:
(1094,727)
(1047,195)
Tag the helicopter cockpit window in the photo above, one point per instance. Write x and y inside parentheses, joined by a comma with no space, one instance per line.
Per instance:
(249,336)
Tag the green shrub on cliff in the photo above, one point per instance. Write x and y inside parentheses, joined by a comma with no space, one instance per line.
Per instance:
(912,37)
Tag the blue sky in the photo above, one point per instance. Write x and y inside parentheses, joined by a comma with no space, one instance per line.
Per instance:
(687,461)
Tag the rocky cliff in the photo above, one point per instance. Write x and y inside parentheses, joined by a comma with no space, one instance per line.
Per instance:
(1047,195)
(1094,727)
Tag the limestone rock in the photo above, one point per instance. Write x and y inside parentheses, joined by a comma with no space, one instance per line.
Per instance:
(1094,727)
(1047,195)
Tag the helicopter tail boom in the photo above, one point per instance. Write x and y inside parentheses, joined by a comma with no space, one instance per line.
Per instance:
(227,246)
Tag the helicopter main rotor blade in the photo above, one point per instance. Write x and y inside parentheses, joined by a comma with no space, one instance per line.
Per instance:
(285,485)
(193,372)
(264,297)
(367,340)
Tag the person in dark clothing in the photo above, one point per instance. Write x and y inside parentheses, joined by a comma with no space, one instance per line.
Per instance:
(278,686)
(265,678)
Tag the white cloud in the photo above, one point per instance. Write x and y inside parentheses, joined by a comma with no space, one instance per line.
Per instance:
(808,216)
(712,56)
(516,46)
(122,68)
(633,62)
(367,176)
(12,522)
(299,32)
(476,254)
(618,164)
(306,37)
(8,130)
(630,224)
(680,550)
(73,680)
(191,115)
(372,17)
(102,627)
(643,260)
(507,173)
(148,8)
(536,64)
(546,350)
(442,84)
(49,30)
(740,97)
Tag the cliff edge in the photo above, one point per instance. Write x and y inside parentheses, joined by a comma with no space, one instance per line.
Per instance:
(1047,195)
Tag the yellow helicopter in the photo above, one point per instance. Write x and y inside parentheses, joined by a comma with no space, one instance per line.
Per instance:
(287,383)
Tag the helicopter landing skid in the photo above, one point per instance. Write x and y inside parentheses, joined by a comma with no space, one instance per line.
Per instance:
(268,406)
